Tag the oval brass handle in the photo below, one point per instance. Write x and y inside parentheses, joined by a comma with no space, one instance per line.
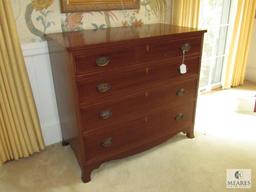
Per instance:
(105,114)
(179,117)
(107,142)
(185,47)
(102,61)
(103,87)
(180,92)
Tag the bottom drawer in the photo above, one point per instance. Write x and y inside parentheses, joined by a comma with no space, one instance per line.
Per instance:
(111,141)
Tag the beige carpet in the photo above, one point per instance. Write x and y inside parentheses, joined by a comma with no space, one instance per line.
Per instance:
(225,138)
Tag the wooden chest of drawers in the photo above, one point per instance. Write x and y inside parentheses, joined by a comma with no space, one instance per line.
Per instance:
(120,91)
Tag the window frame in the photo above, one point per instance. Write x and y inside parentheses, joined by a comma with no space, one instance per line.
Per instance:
(221,44)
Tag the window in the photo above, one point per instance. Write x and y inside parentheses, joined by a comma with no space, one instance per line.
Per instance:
(215,17)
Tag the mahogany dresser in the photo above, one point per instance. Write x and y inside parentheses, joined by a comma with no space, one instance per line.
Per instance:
(123,90)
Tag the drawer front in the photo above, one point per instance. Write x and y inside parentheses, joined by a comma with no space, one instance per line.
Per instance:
(111,58)
(171,119)
(170,68)
(109,85)
(104,59)
(172,94)
(107,114)
(131,134)
(108,141)
(156,50)
(116,84)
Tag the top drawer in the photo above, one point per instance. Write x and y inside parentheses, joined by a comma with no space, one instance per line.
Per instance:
(111,57)
(156,50)
(104,58)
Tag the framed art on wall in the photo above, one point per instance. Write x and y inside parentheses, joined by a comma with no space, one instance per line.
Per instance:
(97,5)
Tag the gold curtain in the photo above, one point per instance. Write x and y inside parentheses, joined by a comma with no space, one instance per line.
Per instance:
(240,43)
(185,13)
(20,133)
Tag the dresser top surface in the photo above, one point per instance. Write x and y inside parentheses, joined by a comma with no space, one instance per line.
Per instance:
(74,40)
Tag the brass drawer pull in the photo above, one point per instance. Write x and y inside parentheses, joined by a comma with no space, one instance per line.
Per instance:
(107,142)
(102,61)
(105,114)
(180,92)
(185,47)
(103,87)
(179,117)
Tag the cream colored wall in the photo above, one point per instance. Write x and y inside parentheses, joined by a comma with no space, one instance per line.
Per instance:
(251,65)
(36,17)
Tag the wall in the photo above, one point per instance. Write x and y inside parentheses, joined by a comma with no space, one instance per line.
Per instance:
(251,65)
(36,17)
(39,70)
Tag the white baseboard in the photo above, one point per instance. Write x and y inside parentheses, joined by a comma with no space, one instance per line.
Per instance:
(51,132)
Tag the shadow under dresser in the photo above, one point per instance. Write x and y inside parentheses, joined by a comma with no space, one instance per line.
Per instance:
(123,90)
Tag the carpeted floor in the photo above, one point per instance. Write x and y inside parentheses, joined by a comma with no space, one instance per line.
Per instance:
(225,139)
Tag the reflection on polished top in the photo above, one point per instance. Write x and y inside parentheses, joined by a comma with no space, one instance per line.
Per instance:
(74,40)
